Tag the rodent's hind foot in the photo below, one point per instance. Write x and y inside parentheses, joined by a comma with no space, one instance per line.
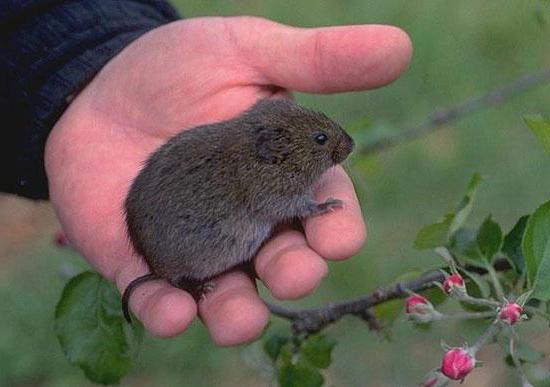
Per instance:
(198,289)
(205,288)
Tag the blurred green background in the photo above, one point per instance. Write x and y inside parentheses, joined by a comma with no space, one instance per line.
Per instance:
(461,49)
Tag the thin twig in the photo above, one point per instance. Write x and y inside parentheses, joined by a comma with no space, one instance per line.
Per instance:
(495,97)
(312,320)
(479,301)
(467,315)
(491,331)
(496,282)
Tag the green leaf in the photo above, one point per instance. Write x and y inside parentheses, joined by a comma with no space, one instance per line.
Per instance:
(435,295)
(463,245)
(286,353)
(483,287)
(464,208)
(437,234)
(489,239)
(541,129)
(541,288)
(434,235)
(388,311)
(536,250)
(92,331)
(299,375)
(317,349)
(273,345)
(536,244)
(512,244)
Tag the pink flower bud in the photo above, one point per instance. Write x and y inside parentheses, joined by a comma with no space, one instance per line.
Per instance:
(457,363)
(417,304)
(419,309)
(510,313)
(60,239)
(454,283)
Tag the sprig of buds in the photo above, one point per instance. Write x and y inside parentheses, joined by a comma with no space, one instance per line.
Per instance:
(458,362)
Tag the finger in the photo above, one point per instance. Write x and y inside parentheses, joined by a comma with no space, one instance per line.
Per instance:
(164,310)
(288,267)
(323,60)
(233,312)
(339,234)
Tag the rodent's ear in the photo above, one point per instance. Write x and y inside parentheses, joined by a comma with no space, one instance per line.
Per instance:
(272,144)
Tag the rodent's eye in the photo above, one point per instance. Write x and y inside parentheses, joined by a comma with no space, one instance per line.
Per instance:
(321,138)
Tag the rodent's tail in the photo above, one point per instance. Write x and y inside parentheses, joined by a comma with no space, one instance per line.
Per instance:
(128,292)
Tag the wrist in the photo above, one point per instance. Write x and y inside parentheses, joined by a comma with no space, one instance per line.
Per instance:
(48,59)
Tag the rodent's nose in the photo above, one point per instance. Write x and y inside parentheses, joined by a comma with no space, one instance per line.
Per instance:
(343,149)
(347,144)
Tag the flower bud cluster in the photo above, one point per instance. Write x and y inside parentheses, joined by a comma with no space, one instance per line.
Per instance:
(458,362)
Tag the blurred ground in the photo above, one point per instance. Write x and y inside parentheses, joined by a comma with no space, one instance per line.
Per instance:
(461,49)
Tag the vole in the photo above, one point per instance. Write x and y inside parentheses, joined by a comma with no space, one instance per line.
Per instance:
(207,199)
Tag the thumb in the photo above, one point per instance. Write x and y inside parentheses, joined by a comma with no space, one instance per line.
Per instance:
(322,60)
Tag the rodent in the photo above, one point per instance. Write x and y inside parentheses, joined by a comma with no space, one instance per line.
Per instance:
(207,199)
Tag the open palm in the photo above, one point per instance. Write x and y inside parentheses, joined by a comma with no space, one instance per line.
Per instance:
(200,71)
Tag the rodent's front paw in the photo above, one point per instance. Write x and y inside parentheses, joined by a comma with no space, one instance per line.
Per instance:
(330,205)
(312,208)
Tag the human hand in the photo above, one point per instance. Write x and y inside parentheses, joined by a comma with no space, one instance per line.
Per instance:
(200,71)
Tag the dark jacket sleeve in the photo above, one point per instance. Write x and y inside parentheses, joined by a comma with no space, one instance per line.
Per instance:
(49,50)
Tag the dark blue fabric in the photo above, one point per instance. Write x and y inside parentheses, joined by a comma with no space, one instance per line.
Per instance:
(49,50)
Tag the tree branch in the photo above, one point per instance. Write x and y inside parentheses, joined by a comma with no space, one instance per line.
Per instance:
(313,320)
(496,97)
